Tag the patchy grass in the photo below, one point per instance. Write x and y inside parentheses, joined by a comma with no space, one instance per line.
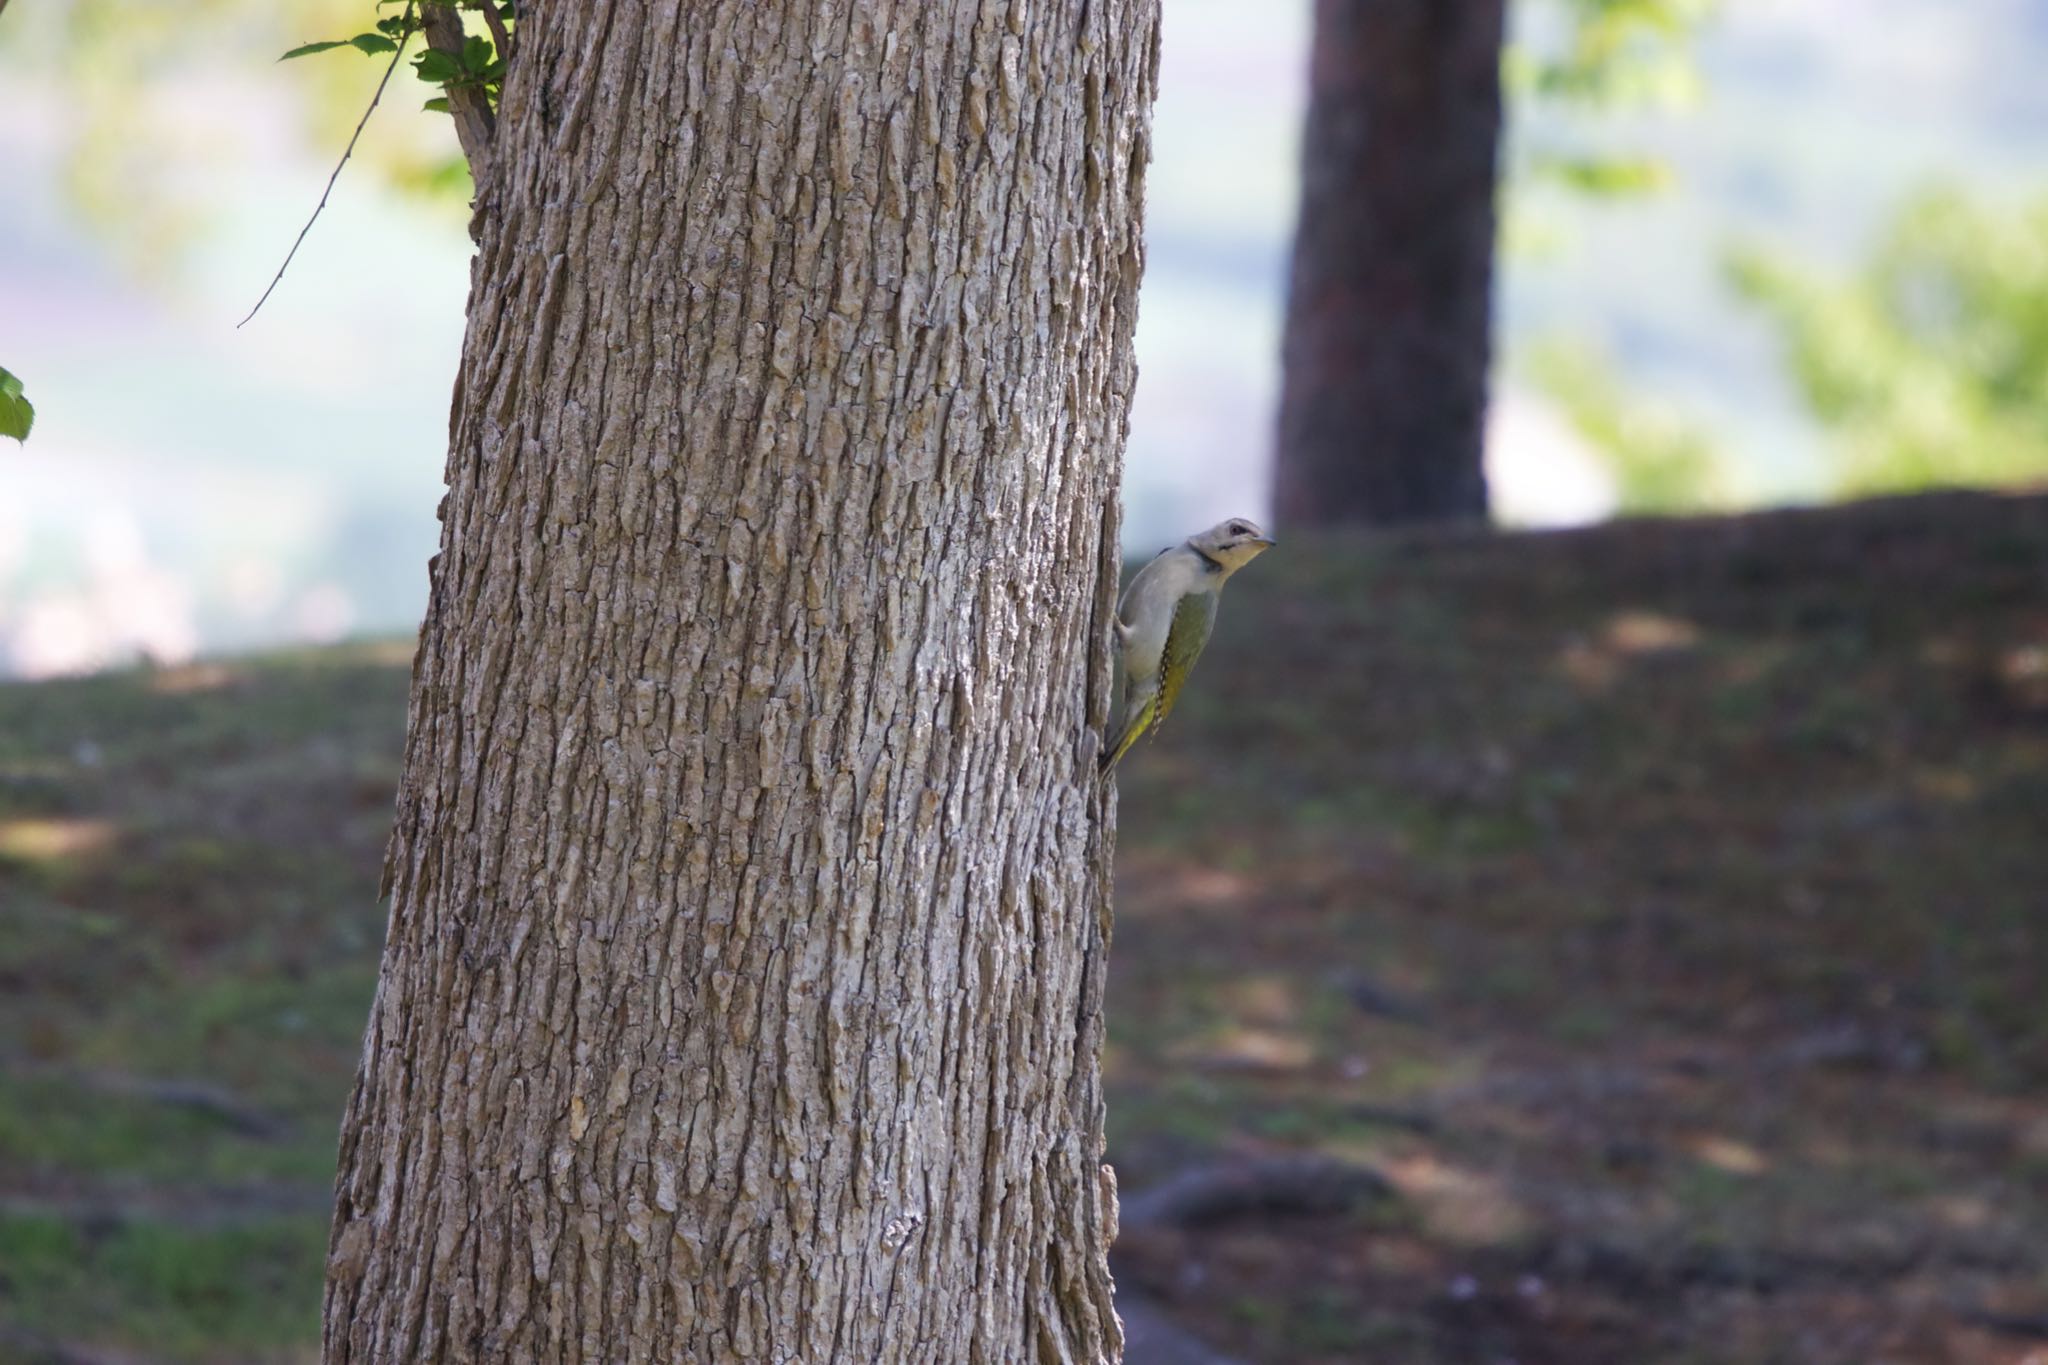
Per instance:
(188,860)
(1659,909)
(185,1291)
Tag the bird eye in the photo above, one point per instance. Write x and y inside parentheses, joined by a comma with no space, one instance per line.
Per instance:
(1238,528)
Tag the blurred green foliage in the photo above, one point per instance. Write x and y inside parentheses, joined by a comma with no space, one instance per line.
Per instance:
(107,53)
(130,173)
(1572,68)
(1598,57)
(1610,52)
(1929,363)
(1661,461)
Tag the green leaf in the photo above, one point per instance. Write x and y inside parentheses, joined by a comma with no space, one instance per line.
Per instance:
(310,48)
(476,55)
(17,414)
(371,43)
(436,68)
(438,104)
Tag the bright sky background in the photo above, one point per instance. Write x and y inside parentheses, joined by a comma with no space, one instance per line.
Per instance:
(191,487)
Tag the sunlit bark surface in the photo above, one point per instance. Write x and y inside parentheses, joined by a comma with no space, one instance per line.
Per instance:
(742,997)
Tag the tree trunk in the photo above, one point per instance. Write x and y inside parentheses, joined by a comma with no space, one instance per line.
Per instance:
(1383,395)
(742,994)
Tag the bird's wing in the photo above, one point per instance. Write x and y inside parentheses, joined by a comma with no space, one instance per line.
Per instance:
(1194,616)
(1137,719)
(1131,589)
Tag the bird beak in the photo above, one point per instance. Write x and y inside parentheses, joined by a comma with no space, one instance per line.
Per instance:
(1264,542)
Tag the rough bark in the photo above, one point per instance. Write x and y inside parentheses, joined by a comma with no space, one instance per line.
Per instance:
(1383,402)
(749,889)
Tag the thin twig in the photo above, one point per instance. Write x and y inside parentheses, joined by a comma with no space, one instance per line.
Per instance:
(404,37)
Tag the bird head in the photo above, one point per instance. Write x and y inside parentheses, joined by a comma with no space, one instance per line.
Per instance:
(1233,544)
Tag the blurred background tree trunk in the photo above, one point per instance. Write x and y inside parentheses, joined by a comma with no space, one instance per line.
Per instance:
(742,992)
(1383,403)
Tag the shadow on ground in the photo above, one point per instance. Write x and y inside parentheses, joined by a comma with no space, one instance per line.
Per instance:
(1660,912)
(1615,946)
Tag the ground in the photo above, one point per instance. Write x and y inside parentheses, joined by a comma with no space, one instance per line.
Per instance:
(1653,919)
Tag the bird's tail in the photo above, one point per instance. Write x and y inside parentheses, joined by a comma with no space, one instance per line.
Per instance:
(1135,725)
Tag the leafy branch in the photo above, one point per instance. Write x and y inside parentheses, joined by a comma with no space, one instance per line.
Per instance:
(469,69)
(454,61)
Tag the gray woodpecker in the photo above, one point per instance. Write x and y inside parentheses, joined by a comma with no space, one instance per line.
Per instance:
(1165,620)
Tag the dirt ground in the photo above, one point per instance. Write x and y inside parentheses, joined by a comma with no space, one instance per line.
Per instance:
(1640,935)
